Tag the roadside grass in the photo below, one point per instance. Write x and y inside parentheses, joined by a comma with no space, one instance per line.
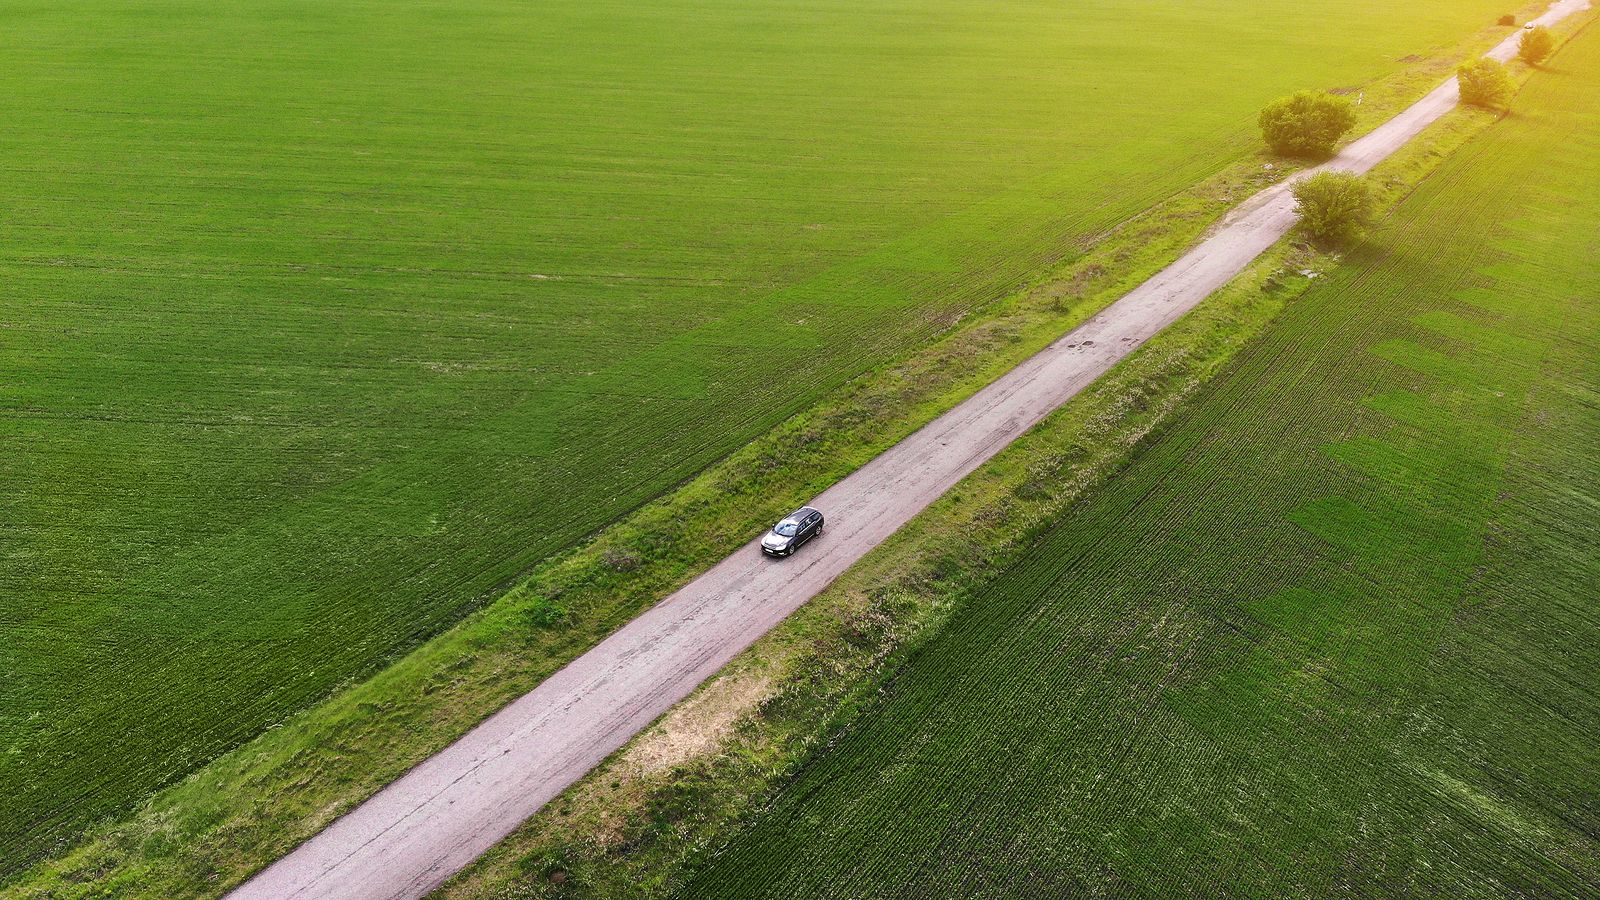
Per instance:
(1333,630)
(324,323)
(233,816)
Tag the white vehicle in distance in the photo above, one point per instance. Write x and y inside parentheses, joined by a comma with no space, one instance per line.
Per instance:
(791,531)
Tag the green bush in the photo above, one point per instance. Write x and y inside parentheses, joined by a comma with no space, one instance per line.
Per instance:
(1536,45)
(1484,82)
(1308,123)
(1334,207)
(545,612)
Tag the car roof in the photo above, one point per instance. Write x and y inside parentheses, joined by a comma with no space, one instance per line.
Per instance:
(800,513)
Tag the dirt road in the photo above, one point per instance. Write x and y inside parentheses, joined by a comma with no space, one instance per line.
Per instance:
(415,833)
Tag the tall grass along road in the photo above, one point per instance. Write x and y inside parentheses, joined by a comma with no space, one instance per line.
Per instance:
(415,833)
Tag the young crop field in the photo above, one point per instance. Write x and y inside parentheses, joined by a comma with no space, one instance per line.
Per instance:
(321,322)
(1335,631)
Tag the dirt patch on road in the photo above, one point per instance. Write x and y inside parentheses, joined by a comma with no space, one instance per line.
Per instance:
(696,726)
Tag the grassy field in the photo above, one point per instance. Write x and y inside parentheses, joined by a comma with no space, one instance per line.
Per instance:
(321,323)
(1334,631)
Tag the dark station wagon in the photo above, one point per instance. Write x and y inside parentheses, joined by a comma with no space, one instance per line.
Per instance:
(793,530)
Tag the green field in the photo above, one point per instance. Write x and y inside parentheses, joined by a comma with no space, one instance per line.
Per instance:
(323,321)
(1336,631)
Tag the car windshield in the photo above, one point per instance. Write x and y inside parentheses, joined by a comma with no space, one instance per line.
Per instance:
(786,528)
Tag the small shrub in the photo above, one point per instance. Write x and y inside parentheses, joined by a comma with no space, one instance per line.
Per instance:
(619,560)
(1484,82)
(1508,19)
(546,613)
(1536,45)
(1308,123)
(1334,207)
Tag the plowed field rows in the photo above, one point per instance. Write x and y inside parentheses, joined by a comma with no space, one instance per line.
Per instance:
(1337,631)
(321,321)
